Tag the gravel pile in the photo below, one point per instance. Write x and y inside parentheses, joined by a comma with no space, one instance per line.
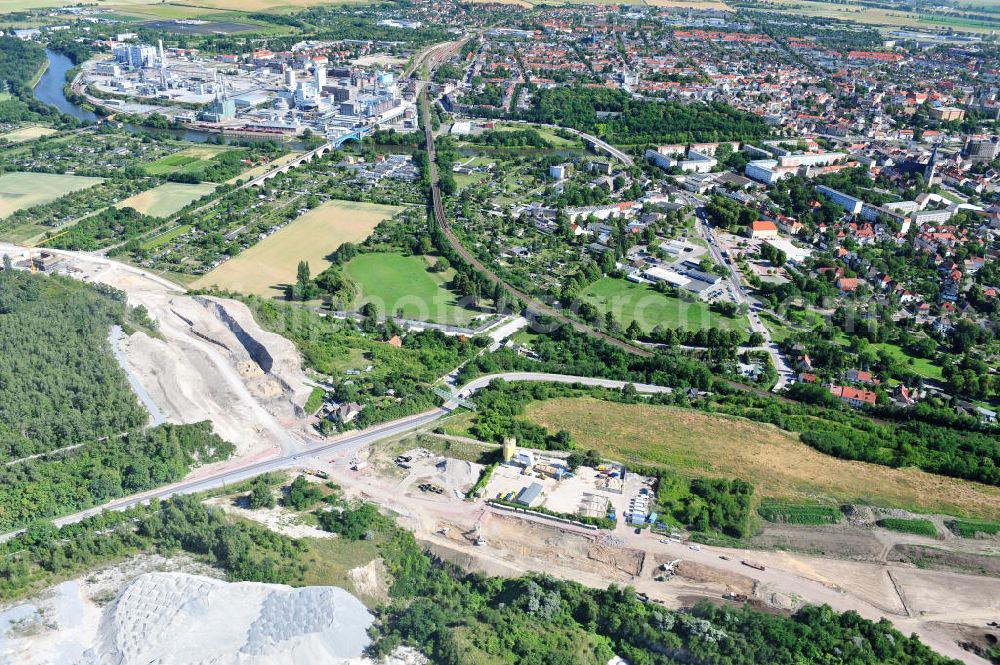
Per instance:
(181,619)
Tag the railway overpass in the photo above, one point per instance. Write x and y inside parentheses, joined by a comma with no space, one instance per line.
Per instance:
(332,144)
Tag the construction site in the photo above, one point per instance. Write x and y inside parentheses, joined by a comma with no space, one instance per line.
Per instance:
(211,361)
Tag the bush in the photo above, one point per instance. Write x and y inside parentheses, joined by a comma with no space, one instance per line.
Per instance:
(352,523)
(302,494)
(261,495)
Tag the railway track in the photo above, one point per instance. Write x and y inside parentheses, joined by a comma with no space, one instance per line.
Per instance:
(534,305)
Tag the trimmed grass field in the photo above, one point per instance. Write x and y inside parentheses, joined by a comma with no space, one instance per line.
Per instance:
(268,266)
(546,133)
(166,199)
(24,190)
(395,282)
(31,133)
(780,466)
(921,366)
(188,160)
(640,302)
(166,236)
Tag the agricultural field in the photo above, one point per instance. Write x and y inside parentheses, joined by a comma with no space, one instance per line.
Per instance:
(916,527)
(29,133)
(629,302)
(798,513)
(7,6)
(877,16)
(166,199)
(405,284)
(780,466)
(272,5)
(268,266)
(24,190)
(189,160)
(166,236)
(680,4)
(972,528)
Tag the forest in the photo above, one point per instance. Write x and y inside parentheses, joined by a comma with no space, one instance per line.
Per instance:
(639,121)
(20,61)
(98,472)
(59,383)
(64,398)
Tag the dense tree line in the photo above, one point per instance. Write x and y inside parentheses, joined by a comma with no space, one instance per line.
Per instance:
(536,619)
(59,383)
(938,446)
(566,351)
(517,138)
(729,214)
(20,60)
(100,230)
(246,551)
(100,471)
(632,121)
(706,504)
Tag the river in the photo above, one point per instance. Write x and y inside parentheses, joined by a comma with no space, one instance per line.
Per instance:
(50,87)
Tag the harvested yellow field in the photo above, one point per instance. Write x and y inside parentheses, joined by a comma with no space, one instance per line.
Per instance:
(23,134)
(168,198)
(267,267)
(776,462)
(880,17)
(689,4)
(270,5)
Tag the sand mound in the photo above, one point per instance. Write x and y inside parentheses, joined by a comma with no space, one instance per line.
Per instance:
(181,619)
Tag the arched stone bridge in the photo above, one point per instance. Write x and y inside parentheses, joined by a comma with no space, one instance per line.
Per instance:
(332,144)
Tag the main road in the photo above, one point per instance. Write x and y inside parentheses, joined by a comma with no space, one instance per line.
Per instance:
(227,474)
(778,359)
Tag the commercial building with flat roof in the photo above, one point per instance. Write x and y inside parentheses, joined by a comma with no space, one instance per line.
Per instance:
(850,204)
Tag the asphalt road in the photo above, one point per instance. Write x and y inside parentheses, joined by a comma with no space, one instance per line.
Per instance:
(784,369)
(483,381)
(345,442)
